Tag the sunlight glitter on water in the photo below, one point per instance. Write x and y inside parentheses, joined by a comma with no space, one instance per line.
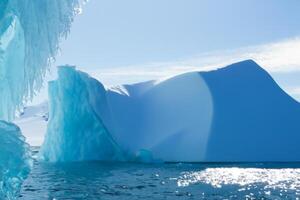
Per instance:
(283,180)
(274,178)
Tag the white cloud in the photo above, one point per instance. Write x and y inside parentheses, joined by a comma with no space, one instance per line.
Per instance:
(295,91)
(282,56)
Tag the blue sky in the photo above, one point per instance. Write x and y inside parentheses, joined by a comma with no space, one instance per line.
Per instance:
(118,34)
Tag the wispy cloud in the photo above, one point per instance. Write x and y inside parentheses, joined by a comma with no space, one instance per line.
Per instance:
(280,56)
(277,57)
(295,91)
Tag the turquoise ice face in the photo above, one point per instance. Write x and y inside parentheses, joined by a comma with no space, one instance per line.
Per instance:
(12,65)
(15,160)
(30,31)
(3,5)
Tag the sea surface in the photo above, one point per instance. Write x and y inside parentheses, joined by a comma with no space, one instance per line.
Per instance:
(122,181)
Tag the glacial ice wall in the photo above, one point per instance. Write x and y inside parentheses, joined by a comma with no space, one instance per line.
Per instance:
(15,160)
(30,31)
(77,133)
(234,114)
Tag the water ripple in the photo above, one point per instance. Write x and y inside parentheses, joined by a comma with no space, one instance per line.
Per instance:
(217,177)
(130,181)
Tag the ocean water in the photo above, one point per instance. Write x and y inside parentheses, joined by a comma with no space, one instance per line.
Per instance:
(122,181)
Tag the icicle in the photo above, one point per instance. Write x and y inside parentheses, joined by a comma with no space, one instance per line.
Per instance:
(30,32)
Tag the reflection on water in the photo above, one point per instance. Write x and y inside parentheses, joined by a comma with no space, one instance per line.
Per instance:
(268,183)
(96,180)
(288,179)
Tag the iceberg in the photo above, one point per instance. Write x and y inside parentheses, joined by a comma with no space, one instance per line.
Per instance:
(30,31)
(88,122)
(15,160)
(233,114)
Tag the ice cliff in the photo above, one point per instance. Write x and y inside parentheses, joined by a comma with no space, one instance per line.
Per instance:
(15,160)
(236,113)
(77,132)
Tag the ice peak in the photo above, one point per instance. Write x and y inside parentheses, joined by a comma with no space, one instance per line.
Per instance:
(244,65)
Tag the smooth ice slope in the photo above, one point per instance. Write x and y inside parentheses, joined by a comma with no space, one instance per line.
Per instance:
(237,113)
(30,31)
(15,160)
(254,119)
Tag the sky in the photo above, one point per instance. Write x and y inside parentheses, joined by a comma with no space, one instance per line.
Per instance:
(134,40)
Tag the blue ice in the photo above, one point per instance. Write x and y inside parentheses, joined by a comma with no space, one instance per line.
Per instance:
(15,160)
(30,32)
(234,114)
